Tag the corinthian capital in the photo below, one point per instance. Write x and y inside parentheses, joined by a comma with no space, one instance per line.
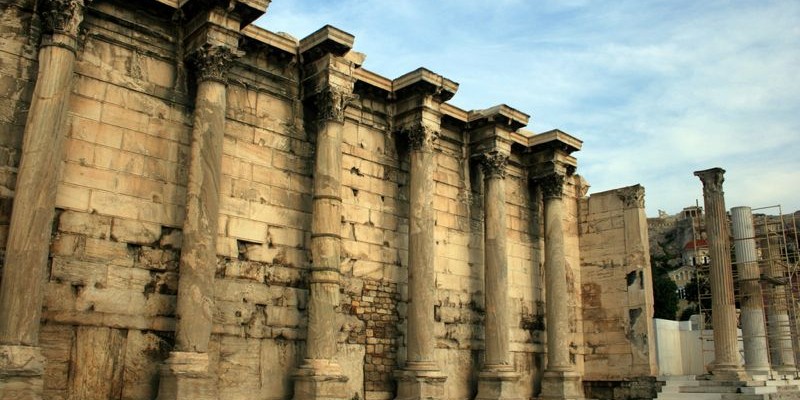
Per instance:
(632,196)
(552,185)
(63,16)
(421,137)
(214,62)
(331,103)
(712,179)
(494,164)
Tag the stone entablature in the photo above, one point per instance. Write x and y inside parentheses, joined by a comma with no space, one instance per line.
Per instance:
(248,215)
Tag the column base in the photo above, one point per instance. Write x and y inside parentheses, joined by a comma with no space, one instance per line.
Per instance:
(497,383)
(420,381)
(566,385)
(729,373)
(21,372)
(185,376)
(319,380)
(758,373)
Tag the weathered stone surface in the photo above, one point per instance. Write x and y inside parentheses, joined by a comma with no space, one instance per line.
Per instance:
(312,227)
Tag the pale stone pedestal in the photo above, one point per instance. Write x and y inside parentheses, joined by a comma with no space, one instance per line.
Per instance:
(420,381)
(733,373)
(564,385)
(185,376)
(21,370)
(498,384)
(320,380)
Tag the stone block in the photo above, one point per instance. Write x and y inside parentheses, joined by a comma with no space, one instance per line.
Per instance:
(251,231)
(134,232)
(72,197)
(107,251)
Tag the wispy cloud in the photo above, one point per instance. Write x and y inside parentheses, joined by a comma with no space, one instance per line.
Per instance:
(655,89)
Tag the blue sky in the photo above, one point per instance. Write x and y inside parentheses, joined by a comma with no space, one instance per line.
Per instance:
(655,89)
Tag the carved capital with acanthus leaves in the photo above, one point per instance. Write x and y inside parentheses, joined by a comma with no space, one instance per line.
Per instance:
(332,102)
(712,180)
(552,185)
(494,165)
(214,62)
(421,137)
(632,196)
(63,16)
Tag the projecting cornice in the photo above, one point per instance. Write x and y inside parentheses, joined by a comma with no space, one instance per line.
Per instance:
(424,81)
(326,40)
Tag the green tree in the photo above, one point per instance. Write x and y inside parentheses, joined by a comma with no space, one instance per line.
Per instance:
(665,293)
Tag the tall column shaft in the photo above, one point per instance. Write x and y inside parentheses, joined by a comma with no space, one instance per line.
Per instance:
(421,274)
(28,245)
(185,374)
(497,379)
(320,376)
(495,263)
(780,334)
(198,255)
(325,240)
(560,380)
(723,308)
(756,355)
(556,299)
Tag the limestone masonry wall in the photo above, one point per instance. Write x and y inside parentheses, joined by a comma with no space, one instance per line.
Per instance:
(114,263)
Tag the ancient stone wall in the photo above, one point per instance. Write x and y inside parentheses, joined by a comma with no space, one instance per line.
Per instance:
(617,292)
(113,271)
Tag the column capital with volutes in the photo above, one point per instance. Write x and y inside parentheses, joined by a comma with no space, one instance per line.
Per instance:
(420,136)
(63,16)
(331,103)
(213,62)
(494,164)
(552,185)
(712,179)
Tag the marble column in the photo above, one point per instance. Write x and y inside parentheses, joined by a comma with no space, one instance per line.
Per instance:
(780,332)
(723,309)
(756,356)
(320,377)
(560,380)
(421,378)
(28,245)
(497,379)
(185,374)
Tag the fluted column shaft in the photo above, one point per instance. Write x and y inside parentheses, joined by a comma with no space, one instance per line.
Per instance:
(756,356)
(780,334)
(723,308)
(421,273)
(495,263)
(556,297)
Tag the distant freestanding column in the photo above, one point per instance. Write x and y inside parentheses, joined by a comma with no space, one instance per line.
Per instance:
(185,374)
(756,356)
(780,329)
(28,246)
(560,379)
(723,309)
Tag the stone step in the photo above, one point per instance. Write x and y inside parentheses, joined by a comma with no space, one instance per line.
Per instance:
(689,396)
